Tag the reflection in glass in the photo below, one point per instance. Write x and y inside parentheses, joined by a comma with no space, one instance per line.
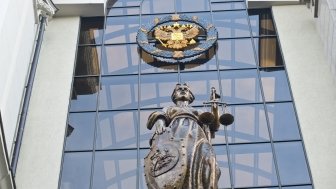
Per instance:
(228,6)
(118,92)
(88,60)
(120,59)
(236,53)
(283,121)
(76,170)
(200,84)
(145,134)
(80,131)
(252,165)
(142,181)
(117,130)
(298,187)
(275,84)
(115,169)
(268,52)
(84,94)
(261,22)
(249,126)
(157,6)
(192,5)
(121,29)
(156,90)
(123,3)
(222,160)
(152,65)
(91,30)
(123,11)
(231,24)
(292,163)
(240,86)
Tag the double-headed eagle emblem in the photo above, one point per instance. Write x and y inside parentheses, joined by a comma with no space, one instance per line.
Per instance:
(176,36)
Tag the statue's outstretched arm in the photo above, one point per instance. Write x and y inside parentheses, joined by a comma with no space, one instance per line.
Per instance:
(160,120)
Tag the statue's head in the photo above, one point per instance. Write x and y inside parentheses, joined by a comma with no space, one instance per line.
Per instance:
(182,93)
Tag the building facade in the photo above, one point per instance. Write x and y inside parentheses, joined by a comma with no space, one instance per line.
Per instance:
(90,90)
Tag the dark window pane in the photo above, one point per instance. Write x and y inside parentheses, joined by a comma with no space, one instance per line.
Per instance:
(120,59)
(84,94)
(192,5)
(157,6)
(123,3)
(292,164)
(117,130)
(240,86)
(123,11)
(228,6)
(91,30)
(249,126)
(261,22)
(231,24)
(222,160)
(76,170)
(275,84)
(119,92)
(80,131)
(234,54)
(156,90)
(200,84)
(115,169)
(253,165)
(268,52)
(283,121)
(298,187)
(88,60)
(121,29)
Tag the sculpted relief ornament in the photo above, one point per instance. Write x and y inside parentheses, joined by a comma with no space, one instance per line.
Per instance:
(181,154)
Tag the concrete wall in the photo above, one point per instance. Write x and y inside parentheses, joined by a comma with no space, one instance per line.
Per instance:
(313,89)
(42,146)
(17,34)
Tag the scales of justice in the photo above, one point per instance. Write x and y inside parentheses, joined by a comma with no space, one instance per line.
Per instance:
(181,155)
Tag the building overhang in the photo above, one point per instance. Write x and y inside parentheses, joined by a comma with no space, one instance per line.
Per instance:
(80,7)
(252,4)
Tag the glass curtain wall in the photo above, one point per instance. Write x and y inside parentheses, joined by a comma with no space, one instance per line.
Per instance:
(116,87)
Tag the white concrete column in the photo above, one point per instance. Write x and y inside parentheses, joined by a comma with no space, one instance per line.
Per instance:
(42,146)
(313,89)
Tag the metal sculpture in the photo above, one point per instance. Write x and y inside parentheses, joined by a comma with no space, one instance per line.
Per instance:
(181,154)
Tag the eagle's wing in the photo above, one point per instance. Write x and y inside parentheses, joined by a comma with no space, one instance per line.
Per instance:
(162,35)
(191,33)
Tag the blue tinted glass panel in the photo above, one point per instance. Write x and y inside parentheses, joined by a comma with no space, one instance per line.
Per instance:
(233,54)
(118,92)
(222,160)
(283,121)
(145,134)
(275,84)
(84,94)
(120,59)
(249,126)
(142,181)
(121,29)
(241,86)
(200,84)
(292,163)
(298,187)
(80,131)
(88,60)
(253,165)
(76,170)
(115,169)
(192,5)
(157,6)
(228,6)
(91,30)
(112,127)
(231,24)
(156,90)
(123,11)
(151,65)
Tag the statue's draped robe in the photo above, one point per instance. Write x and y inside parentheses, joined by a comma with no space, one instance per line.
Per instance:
(181,157)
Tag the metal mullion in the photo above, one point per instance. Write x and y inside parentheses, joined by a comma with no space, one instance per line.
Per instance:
(85,76)
(221,94)
(97,107)
(124,43)
(229,10)
(89,44)
(296,114)
(264,103)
